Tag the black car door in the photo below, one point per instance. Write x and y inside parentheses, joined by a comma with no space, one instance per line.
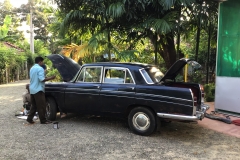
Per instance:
(83,95)
(117,90)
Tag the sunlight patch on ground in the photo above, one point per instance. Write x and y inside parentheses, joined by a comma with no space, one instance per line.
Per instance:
(13,84)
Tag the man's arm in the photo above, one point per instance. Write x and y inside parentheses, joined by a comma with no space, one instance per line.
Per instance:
(49,78)
(42,77)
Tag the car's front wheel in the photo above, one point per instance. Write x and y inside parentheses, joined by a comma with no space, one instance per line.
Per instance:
(142,121)
(51,109)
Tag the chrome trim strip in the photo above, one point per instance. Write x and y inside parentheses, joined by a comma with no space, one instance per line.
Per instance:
(140,70)
(54,91)
(148,95)
(165,102)
(194,107)
(153,95)
(111,91)
(178,117)
(60,56)
(96,94)
(117,96)
(81,89)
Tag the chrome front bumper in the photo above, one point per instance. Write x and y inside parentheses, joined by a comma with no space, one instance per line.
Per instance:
(199,115)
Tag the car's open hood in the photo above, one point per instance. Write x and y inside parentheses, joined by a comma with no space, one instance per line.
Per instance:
(67,67)
(177,67)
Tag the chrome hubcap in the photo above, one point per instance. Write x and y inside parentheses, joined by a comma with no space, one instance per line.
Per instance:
(141,121)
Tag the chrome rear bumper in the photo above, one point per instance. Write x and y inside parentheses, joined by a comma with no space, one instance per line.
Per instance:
(199,115)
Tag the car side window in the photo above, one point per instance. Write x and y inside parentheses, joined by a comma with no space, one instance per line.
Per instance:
(81,76)
(90,74)
(128,78)
(117,75)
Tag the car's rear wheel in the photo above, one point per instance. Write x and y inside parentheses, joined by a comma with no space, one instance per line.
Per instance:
(142,121)
(51,109)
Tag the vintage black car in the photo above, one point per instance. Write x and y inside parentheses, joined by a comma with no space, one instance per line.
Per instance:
(141,93)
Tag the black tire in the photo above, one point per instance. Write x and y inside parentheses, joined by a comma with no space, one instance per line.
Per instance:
(51,109)
(142,121)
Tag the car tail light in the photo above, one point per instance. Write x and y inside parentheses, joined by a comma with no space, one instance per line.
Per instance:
(195,101)
(202,93)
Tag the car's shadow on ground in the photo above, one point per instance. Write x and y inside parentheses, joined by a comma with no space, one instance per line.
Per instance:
(178,130)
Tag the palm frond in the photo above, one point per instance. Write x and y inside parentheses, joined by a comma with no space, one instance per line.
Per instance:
(116,9)
(70,18)
(167,4)
(128,55)
(76,51)
(97,40)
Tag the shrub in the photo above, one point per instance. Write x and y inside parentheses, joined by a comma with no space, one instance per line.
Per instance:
(196,77)
(209,90)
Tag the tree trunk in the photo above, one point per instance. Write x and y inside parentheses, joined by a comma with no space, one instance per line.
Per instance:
(208,53)
(109,49)
(197,43)
(18,70)
(156,49)
(153,39)
(26,69)
(165,47)
(178,34)
(168,51)
(6,74)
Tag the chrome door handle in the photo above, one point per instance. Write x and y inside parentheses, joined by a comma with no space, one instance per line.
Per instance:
(97,86)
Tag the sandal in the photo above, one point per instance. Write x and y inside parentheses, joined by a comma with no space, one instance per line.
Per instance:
(46,122)
(30,121)
(63,115)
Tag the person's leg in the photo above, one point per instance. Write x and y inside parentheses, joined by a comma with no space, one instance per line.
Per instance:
(32,111)
(41,106)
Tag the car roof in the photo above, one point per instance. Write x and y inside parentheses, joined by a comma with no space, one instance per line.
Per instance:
(120,64)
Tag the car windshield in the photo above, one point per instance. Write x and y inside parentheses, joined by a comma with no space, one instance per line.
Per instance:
(152,75)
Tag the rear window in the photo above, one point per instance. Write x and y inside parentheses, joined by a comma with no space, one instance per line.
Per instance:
(152,75)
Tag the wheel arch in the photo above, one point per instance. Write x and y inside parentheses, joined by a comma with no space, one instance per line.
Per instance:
(52,97)
(130,107)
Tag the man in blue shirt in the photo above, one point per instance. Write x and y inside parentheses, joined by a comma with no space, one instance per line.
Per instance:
(37,89)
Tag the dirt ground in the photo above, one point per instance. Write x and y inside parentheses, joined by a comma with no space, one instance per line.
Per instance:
(88,137)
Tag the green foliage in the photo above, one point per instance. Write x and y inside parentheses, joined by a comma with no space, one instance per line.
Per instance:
(10,59)
(51,71)
(209,90)
(40,19)
(196,77)
(128,55)
(116,9)
(118,27)
(5,28)
(54,72)
(179,78)
(40,48)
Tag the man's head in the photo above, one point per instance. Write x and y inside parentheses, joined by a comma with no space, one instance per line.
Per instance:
(27,87)
(39,60)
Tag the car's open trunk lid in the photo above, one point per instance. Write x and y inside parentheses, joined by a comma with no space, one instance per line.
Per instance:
(177,67)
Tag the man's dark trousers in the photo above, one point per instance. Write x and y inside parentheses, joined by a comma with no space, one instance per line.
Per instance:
(38,104)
